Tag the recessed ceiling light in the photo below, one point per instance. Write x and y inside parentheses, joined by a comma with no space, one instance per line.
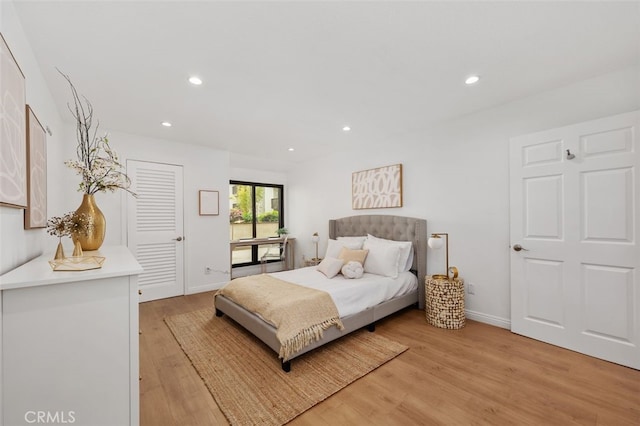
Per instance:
(346,128)
(472,79)
(196,81)
(291,149)
(166,124)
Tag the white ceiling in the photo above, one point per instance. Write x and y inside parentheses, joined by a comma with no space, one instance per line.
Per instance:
(292,74)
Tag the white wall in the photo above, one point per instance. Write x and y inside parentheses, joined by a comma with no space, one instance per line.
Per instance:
(206,237)
(206,241)
(255,175)
(456,175)
(18,245)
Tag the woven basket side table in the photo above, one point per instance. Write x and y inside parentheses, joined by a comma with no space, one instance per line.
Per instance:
(445,302)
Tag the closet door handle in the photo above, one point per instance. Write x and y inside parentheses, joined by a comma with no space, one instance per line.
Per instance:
(177,239)
(518,247)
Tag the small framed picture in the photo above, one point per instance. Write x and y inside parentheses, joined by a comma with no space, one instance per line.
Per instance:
(209,203)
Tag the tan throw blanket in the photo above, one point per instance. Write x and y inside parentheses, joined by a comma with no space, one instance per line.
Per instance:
(300,314)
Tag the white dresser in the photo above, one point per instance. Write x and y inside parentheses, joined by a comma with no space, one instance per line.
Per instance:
(70,343)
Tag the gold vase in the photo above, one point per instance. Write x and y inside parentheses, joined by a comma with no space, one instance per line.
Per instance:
(94,239)
(77,248)
(59,251)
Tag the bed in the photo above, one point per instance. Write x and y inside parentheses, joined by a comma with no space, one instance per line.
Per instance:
(388,227)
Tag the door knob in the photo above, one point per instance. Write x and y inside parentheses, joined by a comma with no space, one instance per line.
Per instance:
(177,239)
(518,247)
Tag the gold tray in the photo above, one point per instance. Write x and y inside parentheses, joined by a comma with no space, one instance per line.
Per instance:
(77,263)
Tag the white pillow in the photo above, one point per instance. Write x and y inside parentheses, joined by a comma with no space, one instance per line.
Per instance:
(383,259)
(334,247)
(353,270)
(330,266)
(406,254)
(359,240)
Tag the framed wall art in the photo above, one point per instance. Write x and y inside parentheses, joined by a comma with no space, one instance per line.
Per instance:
(209,203)
(377,188)
(13,151)
(35,215)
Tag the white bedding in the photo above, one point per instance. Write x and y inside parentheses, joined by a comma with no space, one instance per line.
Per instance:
(352,295)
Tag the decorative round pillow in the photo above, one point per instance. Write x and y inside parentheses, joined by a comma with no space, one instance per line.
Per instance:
(353,269)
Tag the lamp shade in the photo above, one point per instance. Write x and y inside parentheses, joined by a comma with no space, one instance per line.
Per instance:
(315,238)
(435,243)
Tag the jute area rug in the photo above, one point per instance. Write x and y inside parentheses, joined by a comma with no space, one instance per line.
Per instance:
(246,380)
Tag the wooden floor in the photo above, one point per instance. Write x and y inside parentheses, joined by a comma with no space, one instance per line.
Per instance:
(477,375)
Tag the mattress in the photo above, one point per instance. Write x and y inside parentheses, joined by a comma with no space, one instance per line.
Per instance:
(353,295)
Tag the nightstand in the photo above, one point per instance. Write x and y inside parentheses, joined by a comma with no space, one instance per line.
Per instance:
(311,262)
(445,302)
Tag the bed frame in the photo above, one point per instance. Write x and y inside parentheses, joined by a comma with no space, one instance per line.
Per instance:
(382,226)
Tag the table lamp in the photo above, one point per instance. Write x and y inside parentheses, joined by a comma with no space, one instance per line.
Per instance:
(315,238)
(436,243)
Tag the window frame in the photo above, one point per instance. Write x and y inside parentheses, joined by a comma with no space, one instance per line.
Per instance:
(254,216)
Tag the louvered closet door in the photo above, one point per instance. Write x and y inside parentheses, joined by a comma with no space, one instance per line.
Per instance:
(155,228)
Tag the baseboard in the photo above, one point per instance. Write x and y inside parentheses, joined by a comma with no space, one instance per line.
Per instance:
(488,319)
(205,287)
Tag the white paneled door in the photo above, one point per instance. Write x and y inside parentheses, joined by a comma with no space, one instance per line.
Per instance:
(155,228)
(575,220)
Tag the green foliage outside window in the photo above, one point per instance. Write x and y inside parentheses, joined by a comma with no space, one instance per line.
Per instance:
(243,199)
(271,216)
(247,217)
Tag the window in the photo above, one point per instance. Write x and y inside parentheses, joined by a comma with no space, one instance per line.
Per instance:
(255,211)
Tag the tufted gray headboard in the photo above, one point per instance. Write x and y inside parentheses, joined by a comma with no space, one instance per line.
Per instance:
(397,228)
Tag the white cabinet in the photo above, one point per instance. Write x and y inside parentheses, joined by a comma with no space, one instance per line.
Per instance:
(70,343)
